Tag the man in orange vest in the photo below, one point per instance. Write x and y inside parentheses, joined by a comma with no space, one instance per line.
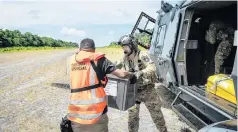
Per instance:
(87,105)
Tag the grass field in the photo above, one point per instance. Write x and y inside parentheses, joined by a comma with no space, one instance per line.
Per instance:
(113,53)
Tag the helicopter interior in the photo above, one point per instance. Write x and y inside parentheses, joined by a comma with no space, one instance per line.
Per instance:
(200,60)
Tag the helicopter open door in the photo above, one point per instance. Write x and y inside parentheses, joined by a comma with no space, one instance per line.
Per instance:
(144,26)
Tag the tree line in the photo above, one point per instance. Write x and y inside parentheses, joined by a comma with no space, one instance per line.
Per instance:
(15,38)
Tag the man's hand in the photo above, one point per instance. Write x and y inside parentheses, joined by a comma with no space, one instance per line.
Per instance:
(123,74)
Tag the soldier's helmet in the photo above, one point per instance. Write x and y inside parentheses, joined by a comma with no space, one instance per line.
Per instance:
(128,40)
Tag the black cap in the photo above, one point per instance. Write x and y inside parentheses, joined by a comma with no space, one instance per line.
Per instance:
(87,44)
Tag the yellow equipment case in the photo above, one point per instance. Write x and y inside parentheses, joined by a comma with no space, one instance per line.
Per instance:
(220,89)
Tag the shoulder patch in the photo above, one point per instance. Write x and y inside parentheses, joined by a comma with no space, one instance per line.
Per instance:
(145,58)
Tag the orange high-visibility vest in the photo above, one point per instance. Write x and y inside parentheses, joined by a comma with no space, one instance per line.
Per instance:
(88,98)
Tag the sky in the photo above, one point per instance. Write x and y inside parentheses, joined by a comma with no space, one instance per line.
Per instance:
(104,21)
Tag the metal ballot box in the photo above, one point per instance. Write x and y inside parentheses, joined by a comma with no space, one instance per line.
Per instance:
(120,93)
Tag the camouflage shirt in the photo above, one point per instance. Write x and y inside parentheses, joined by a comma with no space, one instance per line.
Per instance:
(141,62)
(218,31)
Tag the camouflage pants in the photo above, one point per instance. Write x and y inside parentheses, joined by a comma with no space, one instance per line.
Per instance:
(223,51)
(149,96)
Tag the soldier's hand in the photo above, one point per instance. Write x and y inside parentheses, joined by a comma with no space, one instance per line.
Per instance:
(133,80)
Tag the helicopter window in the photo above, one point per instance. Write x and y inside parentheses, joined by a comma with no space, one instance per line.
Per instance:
(143,23)
(160,39)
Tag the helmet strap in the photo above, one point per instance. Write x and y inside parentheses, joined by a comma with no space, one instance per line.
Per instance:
(132,49)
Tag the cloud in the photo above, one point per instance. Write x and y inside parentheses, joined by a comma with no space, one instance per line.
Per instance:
(19,13)
(72,32)
(65,20)
(34,14)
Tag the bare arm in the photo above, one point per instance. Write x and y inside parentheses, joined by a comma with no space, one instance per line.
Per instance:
(122,73)
(119,64)
(109,68)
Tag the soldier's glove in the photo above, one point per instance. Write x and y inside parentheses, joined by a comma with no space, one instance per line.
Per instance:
(133,80)
(138,74)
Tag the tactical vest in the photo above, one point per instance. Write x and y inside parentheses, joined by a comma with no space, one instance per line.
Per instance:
(137,65)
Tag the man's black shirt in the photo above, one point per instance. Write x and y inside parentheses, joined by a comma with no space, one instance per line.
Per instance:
(105,66)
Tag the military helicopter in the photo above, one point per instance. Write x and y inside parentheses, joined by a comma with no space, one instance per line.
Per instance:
(185,61)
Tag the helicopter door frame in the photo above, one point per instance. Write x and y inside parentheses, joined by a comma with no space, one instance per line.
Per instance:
(138,21)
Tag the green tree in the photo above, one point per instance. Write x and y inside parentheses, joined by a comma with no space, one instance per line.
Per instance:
(10,38)
(16,41)
(29,39)
(113,44)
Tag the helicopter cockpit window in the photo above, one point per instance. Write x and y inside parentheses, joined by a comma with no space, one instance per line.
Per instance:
(159,42)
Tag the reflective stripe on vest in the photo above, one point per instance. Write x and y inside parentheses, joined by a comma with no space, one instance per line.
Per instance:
(92,82)
(87,102)
(86,107)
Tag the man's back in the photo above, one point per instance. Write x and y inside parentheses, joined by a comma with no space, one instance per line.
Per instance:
(87,71)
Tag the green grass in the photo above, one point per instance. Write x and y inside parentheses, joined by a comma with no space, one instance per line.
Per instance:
(17,49)
(13,49)
(113,53)
(112,46)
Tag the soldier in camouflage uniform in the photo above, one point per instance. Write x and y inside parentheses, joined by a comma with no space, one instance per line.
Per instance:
(223,35)
(136,61)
